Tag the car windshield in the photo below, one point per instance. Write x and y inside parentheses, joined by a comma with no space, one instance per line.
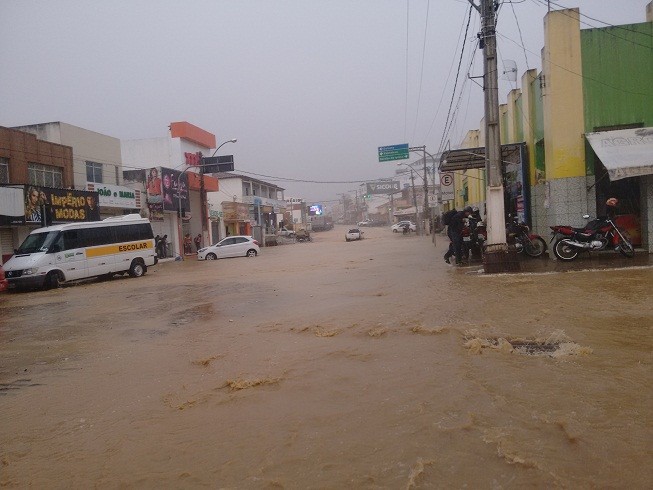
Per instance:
(37,242)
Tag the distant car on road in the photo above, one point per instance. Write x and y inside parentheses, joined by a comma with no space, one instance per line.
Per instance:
(286,232)
(233,246)
(397,227)
(353,234)
(365,222)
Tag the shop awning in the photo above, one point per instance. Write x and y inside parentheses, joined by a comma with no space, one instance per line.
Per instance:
(470,158)
(624,152)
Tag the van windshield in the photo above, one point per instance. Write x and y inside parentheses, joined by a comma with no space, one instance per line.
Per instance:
(38,242)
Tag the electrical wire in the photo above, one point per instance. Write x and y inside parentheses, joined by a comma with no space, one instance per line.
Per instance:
(453,61)
(543,2)
(521,38)
(421,72)
(453,94)
(575,73)
(406,99)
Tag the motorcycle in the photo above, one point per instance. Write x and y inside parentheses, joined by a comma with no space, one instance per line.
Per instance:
(474,238)
(303,236)
(596,235)
(519,235)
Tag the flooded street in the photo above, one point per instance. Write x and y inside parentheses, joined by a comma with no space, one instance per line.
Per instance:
(369,364)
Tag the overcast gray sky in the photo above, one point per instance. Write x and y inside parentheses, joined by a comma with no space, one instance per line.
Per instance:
(310,88)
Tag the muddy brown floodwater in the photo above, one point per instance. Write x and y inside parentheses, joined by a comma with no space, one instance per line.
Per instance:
(367,364)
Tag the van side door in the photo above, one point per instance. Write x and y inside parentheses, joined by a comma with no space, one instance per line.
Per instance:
(72,259)
(99,252)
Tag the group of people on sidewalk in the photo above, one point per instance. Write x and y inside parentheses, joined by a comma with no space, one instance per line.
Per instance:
(188,243)
(161,245)
(455,221)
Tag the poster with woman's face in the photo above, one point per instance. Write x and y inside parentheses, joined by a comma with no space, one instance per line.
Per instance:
(34,200)
(61,205)
(174,189)
(153,186)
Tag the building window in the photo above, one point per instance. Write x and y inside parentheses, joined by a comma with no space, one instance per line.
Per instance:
(4,170)
(94,172)
(44,175)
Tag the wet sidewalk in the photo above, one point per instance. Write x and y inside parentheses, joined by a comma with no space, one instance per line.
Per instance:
(586,261)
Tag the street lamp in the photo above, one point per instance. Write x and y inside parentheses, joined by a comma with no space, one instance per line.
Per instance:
(222,144)
(202,197)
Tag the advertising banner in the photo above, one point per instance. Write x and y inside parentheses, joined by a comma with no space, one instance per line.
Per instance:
(383,187)
(174,190)
(12,205)
(116,196)
(235,211)
(153,186)
(60,205)
(315,210)
(155,211)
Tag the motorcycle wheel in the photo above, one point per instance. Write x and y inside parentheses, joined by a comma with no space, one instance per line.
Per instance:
(564,251)
(625,246)
(535,247)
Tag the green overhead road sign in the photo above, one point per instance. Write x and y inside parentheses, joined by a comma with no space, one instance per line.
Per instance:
(393,152)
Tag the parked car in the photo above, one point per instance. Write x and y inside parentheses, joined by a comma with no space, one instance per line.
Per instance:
(286,232)
(233,246)
(397,227)
(365,222)
(4,284)
(353,234)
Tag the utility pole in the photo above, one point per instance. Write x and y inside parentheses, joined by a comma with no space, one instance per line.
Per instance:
(412,184)
(495,212)
(426,214)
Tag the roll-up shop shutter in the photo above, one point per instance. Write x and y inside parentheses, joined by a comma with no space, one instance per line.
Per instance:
(6,243)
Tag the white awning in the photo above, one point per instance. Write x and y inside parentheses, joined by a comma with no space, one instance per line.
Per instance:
(624,152)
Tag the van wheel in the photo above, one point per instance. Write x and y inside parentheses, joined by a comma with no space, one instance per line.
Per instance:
(53,280)
(137,269)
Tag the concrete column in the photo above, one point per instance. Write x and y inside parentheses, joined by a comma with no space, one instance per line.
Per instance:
(564,146)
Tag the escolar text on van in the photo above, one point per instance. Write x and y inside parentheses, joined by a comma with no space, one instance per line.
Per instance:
(69,252)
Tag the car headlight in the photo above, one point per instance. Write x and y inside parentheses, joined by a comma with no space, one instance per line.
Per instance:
(201,250)
(29,272)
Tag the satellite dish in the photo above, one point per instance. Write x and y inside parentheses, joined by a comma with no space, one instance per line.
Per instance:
(509,70)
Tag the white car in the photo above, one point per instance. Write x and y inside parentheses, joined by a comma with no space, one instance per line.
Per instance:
(397,227)
(233,246)
(365,222)
(353,234)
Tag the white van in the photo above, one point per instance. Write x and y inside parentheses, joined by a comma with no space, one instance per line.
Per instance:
(68,252)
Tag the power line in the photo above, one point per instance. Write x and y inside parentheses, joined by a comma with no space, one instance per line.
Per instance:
(521,38)
(575,73)
(421,72)
(406,101)
(453,60)
(543,2)
(453,94)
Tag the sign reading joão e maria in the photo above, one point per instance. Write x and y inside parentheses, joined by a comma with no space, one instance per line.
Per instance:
(389,187)
(116,196)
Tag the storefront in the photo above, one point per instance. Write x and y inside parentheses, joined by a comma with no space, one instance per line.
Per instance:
(26,207)
(623,164)
(236,218)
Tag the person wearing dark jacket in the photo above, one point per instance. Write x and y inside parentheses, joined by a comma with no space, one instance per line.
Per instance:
(455,233)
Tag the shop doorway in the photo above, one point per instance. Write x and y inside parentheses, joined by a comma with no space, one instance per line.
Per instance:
(627,191)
